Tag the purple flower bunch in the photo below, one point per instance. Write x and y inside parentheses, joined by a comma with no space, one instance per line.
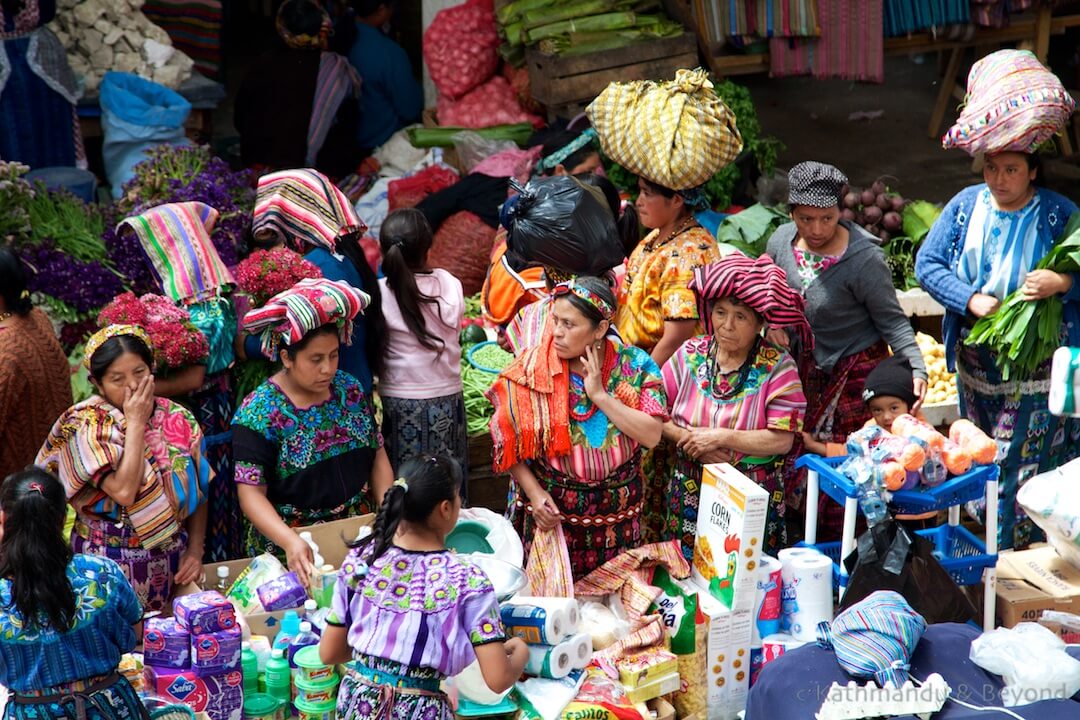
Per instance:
(83,286)
(189,173)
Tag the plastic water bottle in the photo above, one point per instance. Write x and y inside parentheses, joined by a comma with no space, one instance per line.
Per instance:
(279,679)
(870,500)
(318,559)
(290,626)
(303,639)
(223,580)
(249,664)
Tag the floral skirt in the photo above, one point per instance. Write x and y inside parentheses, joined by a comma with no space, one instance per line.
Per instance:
(361,701)
(600,520)
(1030,440)
(117,701)
(412,428)
(150,572)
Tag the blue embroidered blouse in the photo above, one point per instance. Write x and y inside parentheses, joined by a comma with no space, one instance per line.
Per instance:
(43,658)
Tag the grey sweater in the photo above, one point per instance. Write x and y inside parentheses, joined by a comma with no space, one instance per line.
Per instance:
(852,304)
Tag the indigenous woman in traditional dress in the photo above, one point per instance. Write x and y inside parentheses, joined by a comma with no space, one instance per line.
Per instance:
(306,446)
(852,309)
(985,246)
(65,619)
(734,397)
(134,469)
(571,417)
(305,211)
(176,238)
(657,311)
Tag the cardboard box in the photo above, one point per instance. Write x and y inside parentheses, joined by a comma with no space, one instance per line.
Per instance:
(730,530)
(219,696)
(645,667)
(330,537)
(1031,582)
(652,690)
(728,669)
(661,709)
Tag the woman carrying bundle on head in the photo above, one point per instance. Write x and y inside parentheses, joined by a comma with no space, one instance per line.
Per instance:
(305,442)
(420,388)
(65,618)
(572,415)
(133,468)
(305,211)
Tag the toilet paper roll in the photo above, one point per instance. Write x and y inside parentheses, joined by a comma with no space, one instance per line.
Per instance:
(567,606)
(581,650)
(806,596)
(550,662)
(788,554)
(1065,382)
(767,609)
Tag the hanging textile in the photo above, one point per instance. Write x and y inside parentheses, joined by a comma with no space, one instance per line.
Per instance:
(194,26)
(851,46)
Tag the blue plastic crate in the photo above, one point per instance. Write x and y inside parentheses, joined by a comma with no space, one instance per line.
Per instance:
(954,491)
(962,554)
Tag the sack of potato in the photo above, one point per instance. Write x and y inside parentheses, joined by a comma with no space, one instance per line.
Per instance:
(941,384)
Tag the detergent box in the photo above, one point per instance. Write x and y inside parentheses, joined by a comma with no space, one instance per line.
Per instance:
(730,529)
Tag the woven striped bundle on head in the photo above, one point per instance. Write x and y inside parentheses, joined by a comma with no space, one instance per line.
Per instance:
(303,208)
(760,284)
(308,305)
(1013,104)
(176,237)
(875,637)
(676,133)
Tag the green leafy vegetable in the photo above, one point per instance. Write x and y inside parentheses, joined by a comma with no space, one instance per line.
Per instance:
(749,231)
(1024,334)
(918,217)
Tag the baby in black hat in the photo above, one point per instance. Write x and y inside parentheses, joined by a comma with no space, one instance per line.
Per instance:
(888,393)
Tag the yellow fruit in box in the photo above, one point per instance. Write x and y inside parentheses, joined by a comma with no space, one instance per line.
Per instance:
(941,385)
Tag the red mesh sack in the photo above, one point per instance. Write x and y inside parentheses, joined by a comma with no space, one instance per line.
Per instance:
(462,247)
(493,103)
(409,191)
(519,83)
(461,48)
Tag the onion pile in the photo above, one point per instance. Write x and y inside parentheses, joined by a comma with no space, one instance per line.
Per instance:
(461,48)
(875,208)
(493,103)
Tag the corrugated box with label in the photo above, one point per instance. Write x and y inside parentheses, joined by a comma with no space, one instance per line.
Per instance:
(731,524)
(1031,582)
(330,537)
(728,671)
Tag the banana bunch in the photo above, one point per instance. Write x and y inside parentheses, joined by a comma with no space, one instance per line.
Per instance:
(942,383)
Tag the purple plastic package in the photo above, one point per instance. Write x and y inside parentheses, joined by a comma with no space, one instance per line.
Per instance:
(166,644)
(219,696)
(282,593)
(204,612)
(216,653)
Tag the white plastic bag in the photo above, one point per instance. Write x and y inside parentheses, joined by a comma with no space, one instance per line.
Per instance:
(1052,501)
(1032,661)
(504,541)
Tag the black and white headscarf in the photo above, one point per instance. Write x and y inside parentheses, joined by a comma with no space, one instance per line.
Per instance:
(815,184)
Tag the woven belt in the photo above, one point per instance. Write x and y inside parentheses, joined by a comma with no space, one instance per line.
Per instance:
(595,521)
(103,538)
(378,678)
(83,698)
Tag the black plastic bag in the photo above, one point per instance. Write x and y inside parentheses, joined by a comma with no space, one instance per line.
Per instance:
(890,557)
(562,223)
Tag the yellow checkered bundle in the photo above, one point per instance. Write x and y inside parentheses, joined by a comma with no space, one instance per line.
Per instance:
(676,134)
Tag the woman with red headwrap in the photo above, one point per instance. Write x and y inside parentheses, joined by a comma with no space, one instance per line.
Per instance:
(733,396)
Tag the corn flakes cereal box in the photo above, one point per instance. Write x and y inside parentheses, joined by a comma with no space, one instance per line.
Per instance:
(730,530)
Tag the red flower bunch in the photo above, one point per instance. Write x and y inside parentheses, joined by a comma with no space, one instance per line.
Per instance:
(265,273)
(177,342)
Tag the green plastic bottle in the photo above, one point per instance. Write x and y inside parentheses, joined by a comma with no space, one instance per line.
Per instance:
(249,664)
(279,679)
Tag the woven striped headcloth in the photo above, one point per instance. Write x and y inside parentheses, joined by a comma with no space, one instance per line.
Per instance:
(302,207)
(875,637)
(761,284)
(176,237)
(309,304)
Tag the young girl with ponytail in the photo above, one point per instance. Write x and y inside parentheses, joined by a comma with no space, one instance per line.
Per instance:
(65,619)
(423,405)
(408,612)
